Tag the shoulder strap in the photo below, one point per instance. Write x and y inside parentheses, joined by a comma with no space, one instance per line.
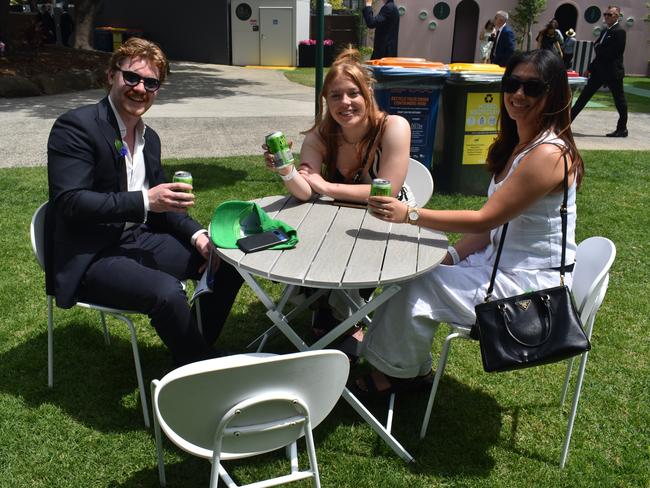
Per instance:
(563,215)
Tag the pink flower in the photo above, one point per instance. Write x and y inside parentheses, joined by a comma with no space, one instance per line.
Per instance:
(313,42)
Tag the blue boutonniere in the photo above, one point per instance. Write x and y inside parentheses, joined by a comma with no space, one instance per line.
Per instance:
(120,147)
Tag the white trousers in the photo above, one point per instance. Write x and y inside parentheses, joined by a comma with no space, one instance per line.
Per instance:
(398,343)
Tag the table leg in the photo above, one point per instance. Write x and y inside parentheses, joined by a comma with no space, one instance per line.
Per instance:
(377,426)
(356,317)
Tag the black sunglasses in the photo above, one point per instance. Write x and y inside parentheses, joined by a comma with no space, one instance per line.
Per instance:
(532,88)
(607,14)
(133,79)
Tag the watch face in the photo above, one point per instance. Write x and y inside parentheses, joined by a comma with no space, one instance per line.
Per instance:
(413,214)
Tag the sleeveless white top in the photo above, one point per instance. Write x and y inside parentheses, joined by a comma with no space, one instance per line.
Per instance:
(534,238)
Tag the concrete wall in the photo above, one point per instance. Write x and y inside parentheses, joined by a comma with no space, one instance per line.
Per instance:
(190,31)
(416,39)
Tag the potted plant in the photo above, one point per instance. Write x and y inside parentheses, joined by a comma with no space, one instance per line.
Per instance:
(307,53)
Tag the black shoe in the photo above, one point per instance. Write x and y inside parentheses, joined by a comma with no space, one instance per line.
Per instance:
(618,133)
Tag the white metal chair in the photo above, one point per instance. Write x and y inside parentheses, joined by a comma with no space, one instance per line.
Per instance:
(420,181)
(240,406)
(594,258)
(37,233)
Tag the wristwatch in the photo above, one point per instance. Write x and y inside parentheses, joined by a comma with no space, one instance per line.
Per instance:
(412,215)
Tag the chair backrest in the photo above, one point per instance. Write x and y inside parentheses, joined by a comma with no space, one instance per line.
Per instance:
(191,401)
(37,234)
(594,258)
(420,181)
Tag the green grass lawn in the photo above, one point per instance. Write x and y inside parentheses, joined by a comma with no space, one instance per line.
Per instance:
(487,430)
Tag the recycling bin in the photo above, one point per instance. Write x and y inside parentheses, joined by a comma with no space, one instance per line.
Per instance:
(470,112)
(411,87)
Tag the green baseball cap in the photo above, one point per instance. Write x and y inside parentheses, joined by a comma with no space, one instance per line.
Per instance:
(235,219)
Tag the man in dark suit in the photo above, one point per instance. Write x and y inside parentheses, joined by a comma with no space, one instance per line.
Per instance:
(386,25)
(607,69)
(116,233)
(504,40)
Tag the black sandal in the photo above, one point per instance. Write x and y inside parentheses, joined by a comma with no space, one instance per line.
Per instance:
(397,385)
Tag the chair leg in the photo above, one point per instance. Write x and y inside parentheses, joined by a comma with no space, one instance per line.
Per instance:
(567,378)
(107,337)
(574,409)
(50,341)
(311,453)
(138,367)
(157,434)
(442,362)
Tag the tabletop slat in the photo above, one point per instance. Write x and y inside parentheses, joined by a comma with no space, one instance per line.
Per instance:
(330,263)
(432,249)
(401,257)
(367,257)
(293,265)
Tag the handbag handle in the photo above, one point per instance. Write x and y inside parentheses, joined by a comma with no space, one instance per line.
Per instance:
(546,300)
(563,215)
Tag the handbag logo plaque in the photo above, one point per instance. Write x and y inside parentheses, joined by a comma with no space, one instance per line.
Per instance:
(523,304)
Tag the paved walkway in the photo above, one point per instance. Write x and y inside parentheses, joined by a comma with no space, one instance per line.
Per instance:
(214,110)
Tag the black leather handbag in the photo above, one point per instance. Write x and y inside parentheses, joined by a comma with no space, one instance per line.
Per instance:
(533,328)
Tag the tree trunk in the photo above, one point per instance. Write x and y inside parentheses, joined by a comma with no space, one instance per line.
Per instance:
(4,21)
(85,11)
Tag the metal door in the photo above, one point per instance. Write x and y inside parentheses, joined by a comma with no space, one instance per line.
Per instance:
(276,36)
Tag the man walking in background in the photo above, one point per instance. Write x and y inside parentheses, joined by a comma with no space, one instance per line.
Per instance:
(607,69)
(504,40)
(386,25)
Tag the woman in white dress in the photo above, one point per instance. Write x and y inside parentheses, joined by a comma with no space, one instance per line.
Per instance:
(527,164)
(487,39)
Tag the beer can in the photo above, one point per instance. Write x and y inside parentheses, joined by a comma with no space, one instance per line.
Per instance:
(279,148)
(380,188)
(182,177)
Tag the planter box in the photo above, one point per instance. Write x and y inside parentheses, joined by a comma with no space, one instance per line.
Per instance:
(307,55)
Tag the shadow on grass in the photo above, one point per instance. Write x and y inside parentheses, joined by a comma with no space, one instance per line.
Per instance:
(93,383)
(203,174)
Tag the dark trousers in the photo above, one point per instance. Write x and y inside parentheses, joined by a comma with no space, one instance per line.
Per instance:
(142,274)
(615,86)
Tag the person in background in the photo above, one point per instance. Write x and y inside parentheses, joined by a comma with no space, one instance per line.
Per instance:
(607,68)
(504,40)
(116,233)
(351,143)
(486,37)
(548,39)
(556,26)
(569,48)
(527,164)
(386,25)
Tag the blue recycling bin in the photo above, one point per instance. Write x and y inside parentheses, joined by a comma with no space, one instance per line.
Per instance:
(414,93)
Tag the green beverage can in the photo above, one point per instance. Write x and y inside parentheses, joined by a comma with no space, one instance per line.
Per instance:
(182,177)
(380,188)
(279,148)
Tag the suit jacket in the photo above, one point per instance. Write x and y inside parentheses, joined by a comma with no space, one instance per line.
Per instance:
(504,47)
(386,25)
(608,63)
(88,198)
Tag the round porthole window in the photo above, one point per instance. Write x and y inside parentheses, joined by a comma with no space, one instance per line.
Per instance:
(441,10)
(592,14)
(401,9)
(629,21)
(432,26)
(423,14)
(243,11)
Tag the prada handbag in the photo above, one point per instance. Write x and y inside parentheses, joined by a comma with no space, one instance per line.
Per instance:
(533,328)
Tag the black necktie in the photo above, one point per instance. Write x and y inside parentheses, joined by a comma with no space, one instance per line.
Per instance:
(494,44)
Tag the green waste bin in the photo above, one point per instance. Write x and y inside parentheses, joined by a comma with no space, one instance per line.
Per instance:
(411,87)
(470,113)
